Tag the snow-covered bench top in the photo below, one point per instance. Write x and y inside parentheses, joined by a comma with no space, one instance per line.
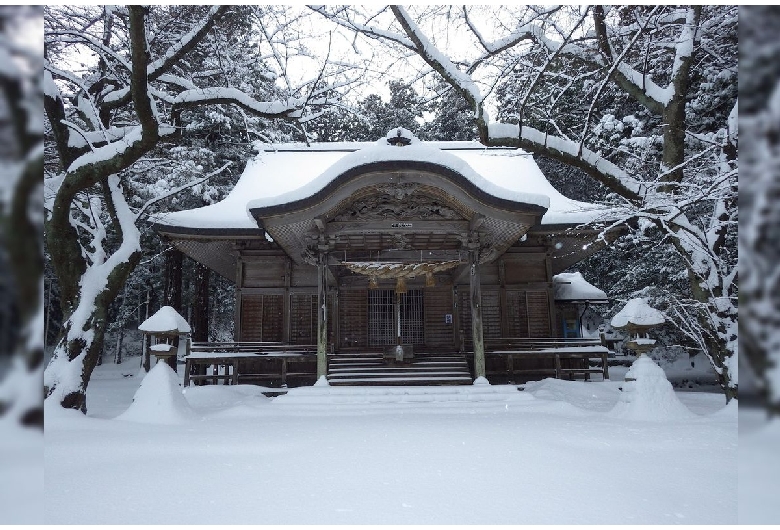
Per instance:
(236,355)
(561,350)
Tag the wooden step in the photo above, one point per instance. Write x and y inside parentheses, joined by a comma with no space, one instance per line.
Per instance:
(371,369)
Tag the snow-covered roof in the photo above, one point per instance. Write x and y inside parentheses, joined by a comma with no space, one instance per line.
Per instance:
(281,174)
(639,313)
(571,286)
(165,320)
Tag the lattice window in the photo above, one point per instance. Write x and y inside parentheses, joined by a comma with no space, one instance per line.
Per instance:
(491,317)
(412,317)
(261,318)
(381,317)
(382,326)
(528,314)
(303,318)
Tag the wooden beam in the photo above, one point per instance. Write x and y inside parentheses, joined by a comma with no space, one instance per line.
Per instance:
(476,222)
(394,226)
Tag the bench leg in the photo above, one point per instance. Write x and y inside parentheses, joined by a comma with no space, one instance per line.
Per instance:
(605,364)
(557,366)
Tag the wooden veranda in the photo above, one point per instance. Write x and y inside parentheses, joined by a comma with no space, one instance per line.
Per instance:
(506,360)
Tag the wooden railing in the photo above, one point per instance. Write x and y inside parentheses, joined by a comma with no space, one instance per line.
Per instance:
(492,344)
(569,357)
(249,362)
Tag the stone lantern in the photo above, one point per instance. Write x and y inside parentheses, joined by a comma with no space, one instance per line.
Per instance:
(637,318)
(167,330)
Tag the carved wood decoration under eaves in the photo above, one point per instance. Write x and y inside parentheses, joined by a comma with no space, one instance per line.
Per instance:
(397,203)
(399,216)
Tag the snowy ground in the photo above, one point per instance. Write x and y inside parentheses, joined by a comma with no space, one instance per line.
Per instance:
(552,453)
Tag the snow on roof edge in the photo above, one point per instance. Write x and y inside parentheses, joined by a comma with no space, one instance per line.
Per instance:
(278,170)
(380,151)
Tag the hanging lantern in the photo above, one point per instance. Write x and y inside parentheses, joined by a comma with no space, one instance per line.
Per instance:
(430,280)
(400,285)
(372,283)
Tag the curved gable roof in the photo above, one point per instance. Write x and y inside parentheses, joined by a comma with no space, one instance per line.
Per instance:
(289,175)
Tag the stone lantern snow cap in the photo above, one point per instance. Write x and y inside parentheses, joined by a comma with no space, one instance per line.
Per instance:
(165,321)
(637,315)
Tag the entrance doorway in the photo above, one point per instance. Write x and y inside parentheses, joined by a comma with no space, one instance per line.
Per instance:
(382,323)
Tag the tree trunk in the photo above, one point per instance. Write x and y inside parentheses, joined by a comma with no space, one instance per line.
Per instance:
(146,360)
(81,342)
(200,314)
(173,266)
(118,351)
(26,262)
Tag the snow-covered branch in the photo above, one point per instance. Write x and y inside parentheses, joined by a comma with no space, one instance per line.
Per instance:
(179,189)
(185,44)
(291,108)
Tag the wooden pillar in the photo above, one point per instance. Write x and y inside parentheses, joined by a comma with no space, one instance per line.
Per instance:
(398,317)
(286,303)
(457,338)
(322,315)
(551,297)
(237,332)
(476,314)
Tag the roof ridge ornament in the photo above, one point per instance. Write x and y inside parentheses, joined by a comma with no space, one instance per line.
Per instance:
(400,137)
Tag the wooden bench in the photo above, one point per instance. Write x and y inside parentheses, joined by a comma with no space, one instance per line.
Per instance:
(249,362)
(556,349)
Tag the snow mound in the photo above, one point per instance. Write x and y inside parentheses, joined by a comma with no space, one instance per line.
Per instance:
(650,397)
(583,395)
(637,312)
(443,395)
(729,411)
(159,399)
(213,397)
(481,381)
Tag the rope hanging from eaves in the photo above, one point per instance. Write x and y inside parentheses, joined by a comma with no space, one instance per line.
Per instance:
(376,269)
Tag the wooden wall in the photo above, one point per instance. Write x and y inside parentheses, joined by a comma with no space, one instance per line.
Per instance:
(277,301)
(262,318)
(353,318)
(438,303)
